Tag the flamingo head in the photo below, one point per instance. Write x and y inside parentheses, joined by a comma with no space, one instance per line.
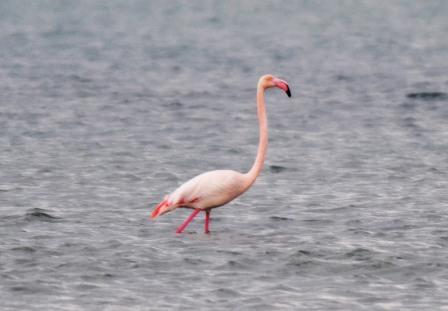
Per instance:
(268,81)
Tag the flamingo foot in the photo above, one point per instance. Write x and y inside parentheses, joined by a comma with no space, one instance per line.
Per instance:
(207,221)
(187,221)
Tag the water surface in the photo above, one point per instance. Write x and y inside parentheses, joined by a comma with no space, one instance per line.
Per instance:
(107,107)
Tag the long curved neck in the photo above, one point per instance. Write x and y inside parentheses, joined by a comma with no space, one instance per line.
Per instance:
(263,143)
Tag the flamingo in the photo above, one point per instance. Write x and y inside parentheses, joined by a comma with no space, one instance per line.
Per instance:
(216,188)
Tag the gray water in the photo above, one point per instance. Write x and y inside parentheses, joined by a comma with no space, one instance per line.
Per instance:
(106,106)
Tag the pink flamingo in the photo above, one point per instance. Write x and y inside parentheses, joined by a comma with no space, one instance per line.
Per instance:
(216,188)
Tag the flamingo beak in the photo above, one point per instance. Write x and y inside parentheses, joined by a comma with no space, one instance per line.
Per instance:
(288,91)
(281,84)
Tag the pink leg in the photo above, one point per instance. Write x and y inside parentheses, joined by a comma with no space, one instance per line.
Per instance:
(207,220)
(186,222)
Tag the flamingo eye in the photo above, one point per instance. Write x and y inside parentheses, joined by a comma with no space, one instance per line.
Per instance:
(269,79)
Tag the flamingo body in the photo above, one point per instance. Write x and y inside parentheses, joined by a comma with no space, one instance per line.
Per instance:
(216,188)
(205,191)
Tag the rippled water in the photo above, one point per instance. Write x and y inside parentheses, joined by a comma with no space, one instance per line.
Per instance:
(107,106)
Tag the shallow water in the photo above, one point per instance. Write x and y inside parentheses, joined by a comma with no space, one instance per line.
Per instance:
(106,107)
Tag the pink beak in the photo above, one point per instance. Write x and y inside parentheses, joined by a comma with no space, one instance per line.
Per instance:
(281,84)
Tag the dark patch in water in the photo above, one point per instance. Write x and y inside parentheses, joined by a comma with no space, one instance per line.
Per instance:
(428,95)
(19,288)
(225,292)
(80,79)
(318,221)
(86,287)
(40,214)
(228,252)
(235,264)
(278,218)
(300,263)
(25,249)
(277,169)
(437,171)
(271,252)
(342,77)
(174,104)
(6,188)
(234,151)
(359,254)
(303,252)
(194,261)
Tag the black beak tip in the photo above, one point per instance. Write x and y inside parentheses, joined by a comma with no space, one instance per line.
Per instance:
(288,92)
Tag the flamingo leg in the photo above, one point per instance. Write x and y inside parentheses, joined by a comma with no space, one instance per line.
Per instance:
(207,221)
(187,221)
